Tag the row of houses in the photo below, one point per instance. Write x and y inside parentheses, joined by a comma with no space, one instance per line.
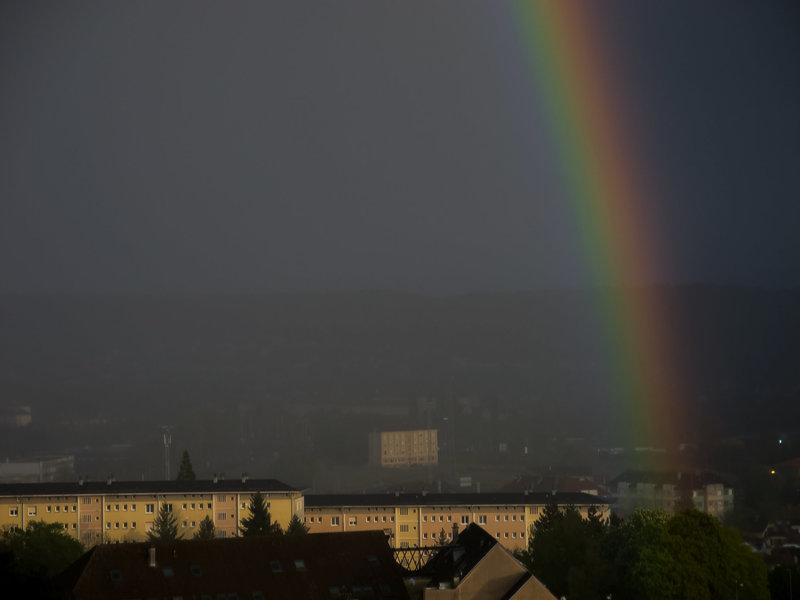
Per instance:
(112,511)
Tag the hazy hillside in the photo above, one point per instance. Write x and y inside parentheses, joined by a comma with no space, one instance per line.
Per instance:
(740,350)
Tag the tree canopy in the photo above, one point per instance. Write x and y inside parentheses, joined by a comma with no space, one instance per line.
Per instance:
(260,521)
(165,526)
(687,556)
(296,526)
(185,471)
(206,530)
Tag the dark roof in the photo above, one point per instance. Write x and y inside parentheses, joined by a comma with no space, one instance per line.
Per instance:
(144,487)
(332,565)
(467,499)
(686,480)
(458,559)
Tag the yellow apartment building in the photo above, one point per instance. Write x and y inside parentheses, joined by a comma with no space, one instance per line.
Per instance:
(111,511)
(404,448)
(419,520)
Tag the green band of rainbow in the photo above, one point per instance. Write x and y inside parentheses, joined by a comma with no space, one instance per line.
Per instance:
(578,89)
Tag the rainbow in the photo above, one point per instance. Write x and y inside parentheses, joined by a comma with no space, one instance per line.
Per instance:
(580,94)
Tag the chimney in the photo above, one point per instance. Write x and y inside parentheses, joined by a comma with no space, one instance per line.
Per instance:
(111,479)
(151,557)
(397,493)
(216,478)
(244,477)
(80,480)
(424,493)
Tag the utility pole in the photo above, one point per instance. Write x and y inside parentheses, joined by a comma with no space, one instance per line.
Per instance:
(167,435)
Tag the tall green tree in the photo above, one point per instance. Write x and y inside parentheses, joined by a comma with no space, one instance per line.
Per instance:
(165,526)
(296,526)
(206,530)
(260,521)
(40,551)
(186,472)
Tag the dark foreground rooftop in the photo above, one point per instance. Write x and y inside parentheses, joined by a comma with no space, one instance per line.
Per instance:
(312,566)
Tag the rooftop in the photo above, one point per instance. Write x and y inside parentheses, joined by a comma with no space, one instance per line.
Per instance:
(324,565)
(466,499)
(144,487)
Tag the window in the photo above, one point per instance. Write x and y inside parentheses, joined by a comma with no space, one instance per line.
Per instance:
(514,534)
(505,535)
(258,596)
(66,525)
(403,528)
(352,521)
(433,536)
(196,570)
(221,516)
(384,518)
(534,510)
(194,523)
(133,525)
(133,507)
(185,523)
(66,508)
(464,520)
(513,517)
(74,507)
(209,506)
(31,511)
(149,508)
(424,518)
(169,507)
(49,508)
(58,508)
(86,500)
(74,525)
(335,521)
(125,507)
(168,572)
(116,507)
(449,518)
(116,575)
(86,518)
(244,505)
(125,525)
(192,505)
(391,519)
(424,536)
(108,525)
(441,518)
(276,567)
(404,511)
(482,519)
(497,517)
(13,512)
(184,506)
(505,517)
(116,525)
(300,564)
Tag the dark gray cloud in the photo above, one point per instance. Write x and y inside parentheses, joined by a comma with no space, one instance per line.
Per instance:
(178,147)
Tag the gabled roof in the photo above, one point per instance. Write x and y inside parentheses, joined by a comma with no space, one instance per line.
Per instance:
(144,487)
(325,565)
(468,499)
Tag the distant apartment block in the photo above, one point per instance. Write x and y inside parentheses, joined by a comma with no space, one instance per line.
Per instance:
(109,511)
(38,469)
(404,448)
(419,520)
(671,492)
(14,417)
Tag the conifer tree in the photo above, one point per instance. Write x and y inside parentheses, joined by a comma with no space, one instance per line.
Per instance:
(296,526)
(186,472)
(165,527)
(260,521)
(206,530)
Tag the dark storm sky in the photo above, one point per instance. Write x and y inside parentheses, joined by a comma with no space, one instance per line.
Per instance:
(245,147)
